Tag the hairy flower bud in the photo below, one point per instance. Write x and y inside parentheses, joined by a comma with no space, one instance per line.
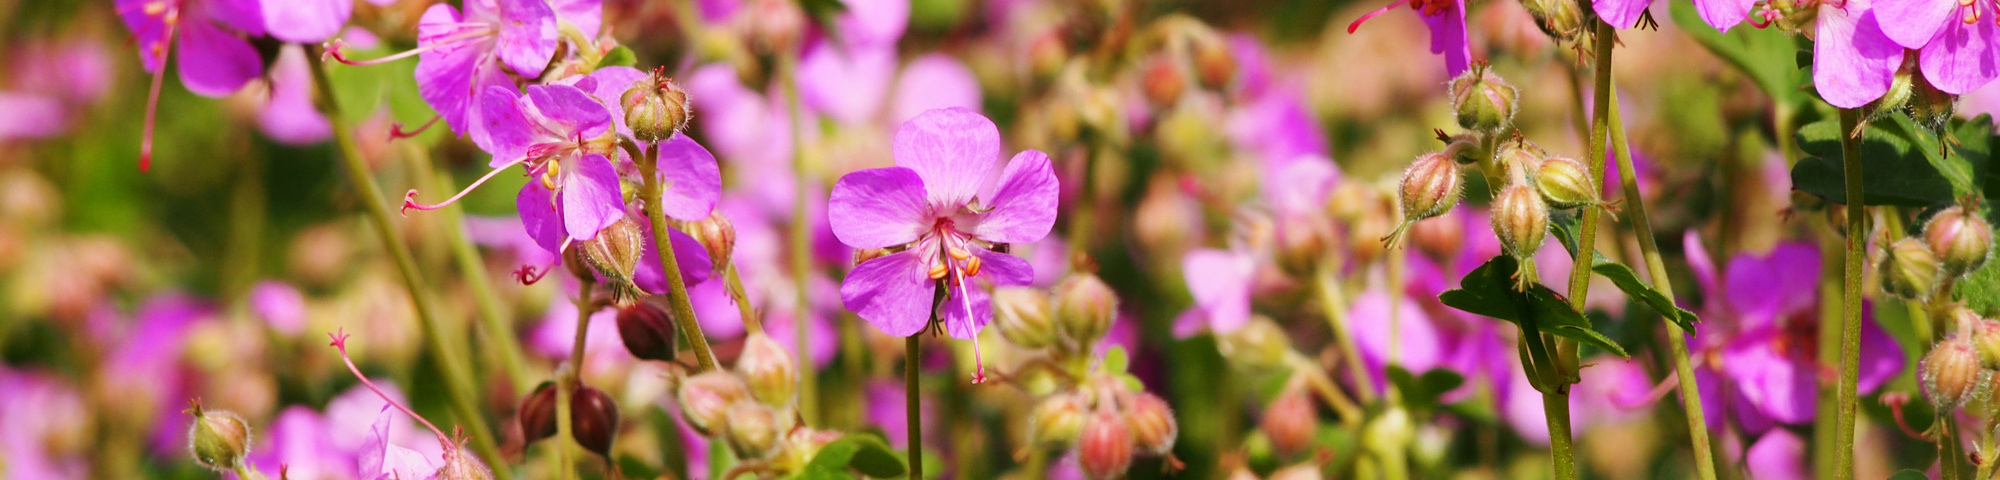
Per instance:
(1290,422)
(1519,159)
(707,397)
(1022,314)
(1961,240)
(648,331)
(1565,183)
(773,27)
(769,370)
(1439,237)
(1152,422)
(218,439)
(1482,101)
(1214,64)
(614,254)
(1430,187)
(752,430)
(1521,220)
(1085,307)
(1910,270)
(1930,107)
(716,234)
(1985,338)
(1057,420)
(1162,81)
(460,465)
(1105,450)
(656,108)
(1950,374)
(538,413)
(1560,19)
(593,419)
(1258,345)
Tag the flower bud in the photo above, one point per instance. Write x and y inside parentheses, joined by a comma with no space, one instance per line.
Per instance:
(1105,450)
(614,254)
(593,419)
(1301,246)
(1085,307)
(1985,339)
(1962,241)
(1521,220)
(769,370)
(219,439)
(1022,314)
(1152,423)
(1439,237)
(1057,420)
(1214,64)
(706,398)
(648,331)
(1950,374)
(538,413)
(716,234)
(459,465)
(1910,270)
(1390,431)
(656,108)
(1430,187)
(1482,101)
(1560,19)
(1518,159)
(1259,345)
(1290,421)
(773,27)
(1162,81)
(752,430)
(1565,183)
(1930,107)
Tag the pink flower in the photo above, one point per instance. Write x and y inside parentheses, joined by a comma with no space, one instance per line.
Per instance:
(1956,39)
(1446,19)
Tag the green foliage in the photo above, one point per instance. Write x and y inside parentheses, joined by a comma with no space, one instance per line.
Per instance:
(863,453)
(1489,291)
(1767,56)
(1626,280)
(1116,362)
(1421,393)
(619,57)
(1903,163)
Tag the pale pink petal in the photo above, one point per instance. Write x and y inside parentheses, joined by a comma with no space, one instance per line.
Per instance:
(892,292)
(878,208)
(215,63)
(1913,23)
(952,149)
(1024,203)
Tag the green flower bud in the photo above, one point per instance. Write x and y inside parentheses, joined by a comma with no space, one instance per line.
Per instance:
(1085,307)
(614,254)
(1950,375)
(1910,270)
(1022,314)
(1259,345)
(1930,107)
(1057,420)
(656,108)
(218,439)
(1519,159)
(1562,20)
(1431,186)
(1961,240)
(1521,221)
(1565,183)
(752,430)
(1482,101)
(1985,338)
(769,370)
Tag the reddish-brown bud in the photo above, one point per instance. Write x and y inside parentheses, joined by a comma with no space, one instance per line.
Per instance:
(1105,450)
(1290,422)
(648,331)
(1214,64)
(1950,374)
(1439,237)
(593,419)
(1985,339)
(1153,426)
(716,234)
(538,413)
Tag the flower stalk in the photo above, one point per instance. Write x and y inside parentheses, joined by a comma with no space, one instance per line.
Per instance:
(670,265)
(1335,303)
(492,316)
(911,347)
(801,234)
(567,378)
(1850,324)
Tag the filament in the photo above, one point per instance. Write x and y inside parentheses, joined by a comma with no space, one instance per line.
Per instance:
(410,199)
(340,342)
(1364,17)
(165,46)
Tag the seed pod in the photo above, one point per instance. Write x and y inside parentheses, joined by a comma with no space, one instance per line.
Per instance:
(769,371)
(752,430)
(1152,423)
(1930,107)
(1290,421)
(614,254)
(647,331)
(1962,241)
(1565,183)
(707,397)
(1430,187)
(1482,101)
(1105,450)
(1022,314)
(593,419)
(656,108)
(218,439)
(1521,220)
(1910,270)
(1950,374)
(1085,307)
(1057,420)
(538,413)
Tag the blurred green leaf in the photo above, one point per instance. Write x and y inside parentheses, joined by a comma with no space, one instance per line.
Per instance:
(1895,171)
(1769,57)
(1421,393)
(1489,291)
(1115,360)
(619,57)
(864,453)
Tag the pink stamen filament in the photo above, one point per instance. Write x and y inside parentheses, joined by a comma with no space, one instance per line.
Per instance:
(1364,17)
(396,131)
(172,21)
(527,274)
(410,199)
(340,342)
(333,48)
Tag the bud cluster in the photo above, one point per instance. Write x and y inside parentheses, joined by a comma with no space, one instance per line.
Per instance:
(593,416)
(1954,243)
(1069,319)
(752,408)
(1107,422)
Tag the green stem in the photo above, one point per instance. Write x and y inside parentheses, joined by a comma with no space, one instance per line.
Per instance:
(451,361)
(566,380)
(1656,272)
(246,234)
(492,316)
(670,266)
(1555,400)
(1317,379)
(801,236)
(736,293)
(244,472)
(1850,325)
(911,352)
(1335,305)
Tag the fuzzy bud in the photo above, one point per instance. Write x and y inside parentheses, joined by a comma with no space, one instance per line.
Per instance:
(614,254)
(1105,450)
(1518,159)
(538,413)
(769,370)
(773,26)
(1565,183)
(656,108)
(1162,81)
(459,465)
(752,430)
(1560,19)
(1521,220)
(707,397)
(1930,107)
(1430,187)
(1022,314)
(1152,423)
(593,419)
(1290,421)
(1085,307)
(1910,270)
(716,234)
(219,439)
(1214,64)
(1482,101)
(1057,420)
(1961,241)
(648,331)
(1950,374)
(1985,338)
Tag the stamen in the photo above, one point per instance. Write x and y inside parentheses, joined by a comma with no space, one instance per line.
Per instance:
(550,174)
(1364,17)
(938,271)
(959,253)
(153,97)
(410,199)
(1971,14)
(340,342)
(334,46)
(396,131)
(972,266)
(528,275)
(965,297)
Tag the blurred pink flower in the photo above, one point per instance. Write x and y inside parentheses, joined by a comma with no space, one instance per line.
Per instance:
(280,305)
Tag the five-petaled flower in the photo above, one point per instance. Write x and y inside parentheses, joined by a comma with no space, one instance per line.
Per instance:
(215,59)
(1956,39)
(928,211)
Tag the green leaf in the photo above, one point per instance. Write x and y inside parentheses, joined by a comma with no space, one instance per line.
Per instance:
(1896,170)
(1908,474)
(1421,393)
(619,57)
(1115,360)
(1489,291)
(864,453)
(1623,276)
(1981,290)
(1769,57)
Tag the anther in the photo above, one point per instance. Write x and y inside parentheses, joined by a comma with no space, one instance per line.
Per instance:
(972,266)
(938,271)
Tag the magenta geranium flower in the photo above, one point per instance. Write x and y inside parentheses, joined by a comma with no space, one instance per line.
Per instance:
(459,55)
(306,21)
(1853,60)
(1446,19)
(928,210)
(215,59)
(1956,39)
(561,135)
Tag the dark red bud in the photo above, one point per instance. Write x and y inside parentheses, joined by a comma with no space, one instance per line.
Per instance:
(648,331)
(593,419)
(538,413)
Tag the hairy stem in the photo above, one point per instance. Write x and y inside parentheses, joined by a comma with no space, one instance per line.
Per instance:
(801,236)
(566,381)
(913,399)
(1850,324)
(670,266)
(458,383)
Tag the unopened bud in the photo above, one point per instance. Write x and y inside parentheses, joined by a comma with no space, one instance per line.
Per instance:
(1152,423)
(1439,237)
(1518,159)
(1301,246)
(1986,339)
(716,234)
(1430,187)
(1521,220)
(1258,345)
(1057,420)
(593,419)
(1085,307)
(1214,64)
(1482,101)
(1962,241)
(773,27)
(614,254)
(1560,19)
(1390,431)
(459,465)
(752,430)
(219,439)
(1105,450)
(1930,107)
(1022,314)
(769,370)
(1162,81)
(706,398)
(538,413)
(1902,87)
(656,108)
(1950,374)
(1910,270)
(1565,183)
(1290,421)
(648,331)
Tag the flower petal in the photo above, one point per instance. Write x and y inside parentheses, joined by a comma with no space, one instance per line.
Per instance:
(1913,23)
(527,35)
(1024,204)
(290,117)
(1219,280)
(539,217)
(503,130)
(878,207)
(892,292)
(1723,14)
(215,63)
(306,21)
(693,181)
(451,77)
(1448,38)
(1798,265)
(1778,455)
(1781,386)
(952,149)
(1961,58)
(586,15)
(1003,269)
(1622,13)
(930,82)
(1697,257)
(381,459)
(1853,62)
(590,197)
(693,260)
(848,83)
(1749,280)
(873,22)
(1882,359)
(567,111)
